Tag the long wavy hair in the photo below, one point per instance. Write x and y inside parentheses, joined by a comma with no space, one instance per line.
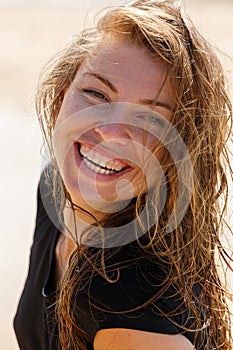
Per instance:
(203,117)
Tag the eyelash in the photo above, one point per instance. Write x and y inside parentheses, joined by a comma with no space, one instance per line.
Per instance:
(95,94)
(152,118)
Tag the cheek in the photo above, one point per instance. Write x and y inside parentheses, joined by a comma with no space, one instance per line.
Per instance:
(154,147)
(152,160)
(157,163)
(71,104)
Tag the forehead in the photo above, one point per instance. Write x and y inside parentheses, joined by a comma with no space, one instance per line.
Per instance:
(118,52)
(125,62)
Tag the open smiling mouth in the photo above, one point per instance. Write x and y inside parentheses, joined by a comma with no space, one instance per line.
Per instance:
(99,163)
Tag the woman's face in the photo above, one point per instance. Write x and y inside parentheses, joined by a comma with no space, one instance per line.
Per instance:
(109,125)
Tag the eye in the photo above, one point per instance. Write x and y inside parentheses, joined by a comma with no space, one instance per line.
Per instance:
(95,94)
(151,119)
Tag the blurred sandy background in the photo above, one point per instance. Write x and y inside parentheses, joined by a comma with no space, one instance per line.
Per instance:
(29,35)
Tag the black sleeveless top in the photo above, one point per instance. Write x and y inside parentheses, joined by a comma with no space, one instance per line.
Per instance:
(35,323)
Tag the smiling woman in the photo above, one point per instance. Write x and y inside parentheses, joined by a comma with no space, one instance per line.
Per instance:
(136,116)
(107,147)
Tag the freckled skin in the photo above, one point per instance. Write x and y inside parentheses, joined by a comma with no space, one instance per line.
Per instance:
(128,339)
(135,76)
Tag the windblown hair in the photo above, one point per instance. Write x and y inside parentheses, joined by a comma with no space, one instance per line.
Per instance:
(203,117)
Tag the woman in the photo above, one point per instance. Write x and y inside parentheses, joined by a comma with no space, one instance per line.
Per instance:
(135,114)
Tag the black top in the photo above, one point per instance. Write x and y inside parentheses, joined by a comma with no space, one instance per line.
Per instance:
(35,325)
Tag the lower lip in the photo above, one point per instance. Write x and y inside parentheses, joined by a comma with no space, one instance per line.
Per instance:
(93,174)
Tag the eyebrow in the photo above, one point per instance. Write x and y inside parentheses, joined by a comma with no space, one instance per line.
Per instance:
(103,80)
(146,102)
(156,103)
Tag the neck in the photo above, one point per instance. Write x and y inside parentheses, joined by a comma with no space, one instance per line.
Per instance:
(76,224)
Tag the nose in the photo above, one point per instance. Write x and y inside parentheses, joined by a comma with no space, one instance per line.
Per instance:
(116,132)
(119,126)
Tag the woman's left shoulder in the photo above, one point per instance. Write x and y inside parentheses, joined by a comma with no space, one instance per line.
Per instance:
(122,339)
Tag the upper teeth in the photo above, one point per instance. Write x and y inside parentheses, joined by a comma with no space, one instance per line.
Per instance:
(100,160)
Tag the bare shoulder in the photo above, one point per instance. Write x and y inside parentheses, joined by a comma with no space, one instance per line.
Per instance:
(129,339)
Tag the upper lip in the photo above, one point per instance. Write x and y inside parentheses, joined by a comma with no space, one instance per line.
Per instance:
(105,152)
